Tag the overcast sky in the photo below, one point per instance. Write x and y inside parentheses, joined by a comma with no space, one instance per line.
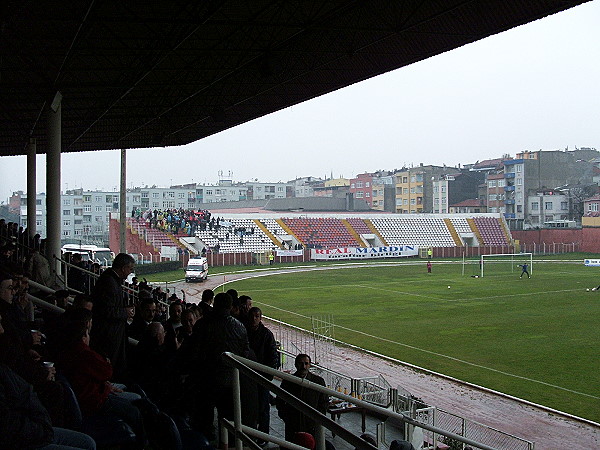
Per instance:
(533,87)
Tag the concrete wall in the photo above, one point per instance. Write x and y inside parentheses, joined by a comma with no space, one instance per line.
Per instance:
(548,236)
(586,239)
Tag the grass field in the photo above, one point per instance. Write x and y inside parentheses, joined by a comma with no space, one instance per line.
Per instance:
(537,339)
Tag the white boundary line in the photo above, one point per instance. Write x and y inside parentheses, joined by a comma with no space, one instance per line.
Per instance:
(482,388)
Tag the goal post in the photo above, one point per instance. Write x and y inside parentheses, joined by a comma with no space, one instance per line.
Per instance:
(500,263)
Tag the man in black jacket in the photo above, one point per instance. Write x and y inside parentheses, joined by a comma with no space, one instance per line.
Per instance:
(294,420)
(262,343)
(109,326)
(211,377)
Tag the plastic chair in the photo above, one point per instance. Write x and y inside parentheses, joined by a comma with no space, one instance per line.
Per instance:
(107,431)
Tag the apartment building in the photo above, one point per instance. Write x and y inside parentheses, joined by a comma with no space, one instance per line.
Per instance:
(548,206)
(384,193)
(414,188)
(265,191)
(454,188)
(362,187)
(541,171)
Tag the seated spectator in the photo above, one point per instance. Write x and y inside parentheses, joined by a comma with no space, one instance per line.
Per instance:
(305,440)
(150,361)
(400,444)
(25,423)
(89,374)
(174,320)
(83,301)
(13,316)
(28,365)
(130,315)
(188,319)
(207,301)
(144,317)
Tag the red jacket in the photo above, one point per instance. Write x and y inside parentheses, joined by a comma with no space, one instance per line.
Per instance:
(88,373)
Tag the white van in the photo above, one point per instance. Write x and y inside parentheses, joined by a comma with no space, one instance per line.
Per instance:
(100,255)
(196,270)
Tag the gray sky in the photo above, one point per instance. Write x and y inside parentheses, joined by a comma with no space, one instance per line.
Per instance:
(532,87)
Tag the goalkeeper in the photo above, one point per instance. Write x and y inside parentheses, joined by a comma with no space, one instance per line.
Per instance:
(524,270)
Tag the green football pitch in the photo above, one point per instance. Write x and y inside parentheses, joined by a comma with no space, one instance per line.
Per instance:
(536,339)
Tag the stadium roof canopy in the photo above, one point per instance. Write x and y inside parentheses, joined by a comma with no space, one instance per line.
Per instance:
(164,73)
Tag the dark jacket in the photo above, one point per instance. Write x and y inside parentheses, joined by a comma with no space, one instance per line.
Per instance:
(24,423)
(262,343)
(294,420)
(109,326)
(219,333)
(137,328)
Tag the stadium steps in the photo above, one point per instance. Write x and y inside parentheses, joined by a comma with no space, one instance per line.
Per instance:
(353,232)
(136,241)
(475,231)
(265,230)
(288,230)
(176,241)
(506,231)
(453,232)
(375,231)
(138,237)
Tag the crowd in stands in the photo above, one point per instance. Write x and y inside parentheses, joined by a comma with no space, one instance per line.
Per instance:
(176,221)
(145,362)
(169,373)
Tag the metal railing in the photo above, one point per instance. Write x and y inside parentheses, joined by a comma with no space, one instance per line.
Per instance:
(378,391)
(249,369)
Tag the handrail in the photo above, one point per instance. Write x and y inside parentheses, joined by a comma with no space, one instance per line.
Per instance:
(56,309)
(238,363)
(250,367)
(41,287)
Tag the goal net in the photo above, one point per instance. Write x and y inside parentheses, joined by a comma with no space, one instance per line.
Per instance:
(505,263)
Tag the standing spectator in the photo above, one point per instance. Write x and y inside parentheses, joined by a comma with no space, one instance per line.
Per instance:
(109,330)
(76,276)
(245,303)
(206,303)
(294,420)
(262,343)
(219,333)
(39,267)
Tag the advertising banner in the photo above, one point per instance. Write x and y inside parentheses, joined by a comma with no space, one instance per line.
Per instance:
(390,251)
(280,252)
(591,262)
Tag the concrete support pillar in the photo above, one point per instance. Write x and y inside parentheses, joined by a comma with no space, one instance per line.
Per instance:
(123,204)
(53,218)
(31,188)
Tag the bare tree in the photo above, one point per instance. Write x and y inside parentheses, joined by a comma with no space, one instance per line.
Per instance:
(579,193)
